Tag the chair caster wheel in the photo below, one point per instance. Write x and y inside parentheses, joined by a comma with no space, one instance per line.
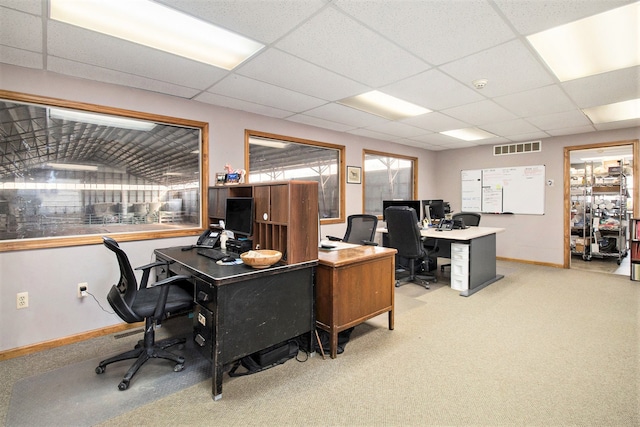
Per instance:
(100,370)
(179,367)
(123,385)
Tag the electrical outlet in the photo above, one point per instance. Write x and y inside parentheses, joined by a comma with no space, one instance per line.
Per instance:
(22,300)
(83,288)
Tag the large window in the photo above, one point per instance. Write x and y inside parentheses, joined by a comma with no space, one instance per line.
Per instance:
(272,157)
(72,172)
(387,177)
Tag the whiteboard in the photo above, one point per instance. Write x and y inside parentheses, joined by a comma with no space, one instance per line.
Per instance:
(518,190)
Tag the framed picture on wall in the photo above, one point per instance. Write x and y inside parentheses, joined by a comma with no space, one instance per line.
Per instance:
(354,175)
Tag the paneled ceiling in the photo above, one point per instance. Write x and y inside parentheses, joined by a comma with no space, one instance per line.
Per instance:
(319,51)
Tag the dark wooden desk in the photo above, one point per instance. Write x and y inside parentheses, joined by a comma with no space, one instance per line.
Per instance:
(353,285)
(240,310)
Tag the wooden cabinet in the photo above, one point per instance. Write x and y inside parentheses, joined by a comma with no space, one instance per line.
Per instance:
(286,216)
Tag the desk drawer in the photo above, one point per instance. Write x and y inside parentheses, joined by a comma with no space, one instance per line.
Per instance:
(203,331)
(459,282)
(459,251)
(460,268)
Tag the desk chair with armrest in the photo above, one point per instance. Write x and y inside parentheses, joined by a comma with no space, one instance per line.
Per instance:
(361,230)
(149,303)
(470,219)
(404,236)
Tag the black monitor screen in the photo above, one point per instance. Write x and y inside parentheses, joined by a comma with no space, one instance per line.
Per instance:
(436,208)
(239,215)
(415,204)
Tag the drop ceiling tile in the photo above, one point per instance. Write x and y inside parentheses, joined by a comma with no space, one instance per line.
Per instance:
(526,137)
(284,70)
(480,113)
(509,68)
(436,122)
(571,130)
(348,116)
(33,7)
(510,128)
(372,134)
(238,104)
(536,102)
(338,43)
(398,129)
(565,119)
(532,16)
(622,124)
(21,58)
(251,90)
(433,90)
(436,31)
(606,88)
(85,71)
(20,30)
(263,21)
(321,123)
(79,45)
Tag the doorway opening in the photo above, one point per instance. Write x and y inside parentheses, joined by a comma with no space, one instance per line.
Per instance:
(601,195)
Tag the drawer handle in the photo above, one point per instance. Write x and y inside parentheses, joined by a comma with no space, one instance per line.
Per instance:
(203,296)
(199,339)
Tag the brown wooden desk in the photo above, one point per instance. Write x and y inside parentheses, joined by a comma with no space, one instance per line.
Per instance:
(353,285)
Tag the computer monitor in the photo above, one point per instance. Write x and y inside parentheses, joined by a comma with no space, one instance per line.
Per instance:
(435,207)
(415,204)
(239,215)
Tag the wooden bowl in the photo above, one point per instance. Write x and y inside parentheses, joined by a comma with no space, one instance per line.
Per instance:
(262,258)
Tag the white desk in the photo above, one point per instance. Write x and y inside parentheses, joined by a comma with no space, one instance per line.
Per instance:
(482,252)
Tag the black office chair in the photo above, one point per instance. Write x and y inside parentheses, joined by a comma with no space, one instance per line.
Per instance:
(361,229)
(404,235)
(470,219)
(151,304)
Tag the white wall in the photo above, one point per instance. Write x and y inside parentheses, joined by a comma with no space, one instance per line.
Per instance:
(51,275)
(538,238)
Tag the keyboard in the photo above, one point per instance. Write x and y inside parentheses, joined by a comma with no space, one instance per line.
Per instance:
(214,254)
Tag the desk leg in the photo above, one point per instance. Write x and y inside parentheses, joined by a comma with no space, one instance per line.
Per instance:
(391,320)
(334,343)
(216,381)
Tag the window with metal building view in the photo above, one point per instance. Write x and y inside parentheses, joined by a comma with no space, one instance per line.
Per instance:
(67,173)
(282,158)
(387,177)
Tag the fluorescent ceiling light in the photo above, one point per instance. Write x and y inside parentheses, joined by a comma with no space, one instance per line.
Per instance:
(159,27)
(100,119)
(384,105)
(597,44)
(468,134)
(625,110)
(607,158)
(72,167)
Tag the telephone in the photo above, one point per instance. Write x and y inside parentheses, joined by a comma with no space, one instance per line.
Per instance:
(445,224)
(209,239)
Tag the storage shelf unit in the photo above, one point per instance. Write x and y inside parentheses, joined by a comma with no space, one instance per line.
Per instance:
(599,212)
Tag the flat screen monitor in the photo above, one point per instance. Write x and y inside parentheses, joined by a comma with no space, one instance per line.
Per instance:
(435,208)
(415,204)
(239,215)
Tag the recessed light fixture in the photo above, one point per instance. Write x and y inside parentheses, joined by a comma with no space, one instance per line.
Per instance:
(468,134)
(151,24)
(100,119)
(597,44)
(383,105)
(625,110)
(266,142)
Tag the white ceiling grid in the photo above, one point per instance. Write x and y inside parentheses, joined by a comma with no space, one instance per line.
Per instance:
(319,51)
